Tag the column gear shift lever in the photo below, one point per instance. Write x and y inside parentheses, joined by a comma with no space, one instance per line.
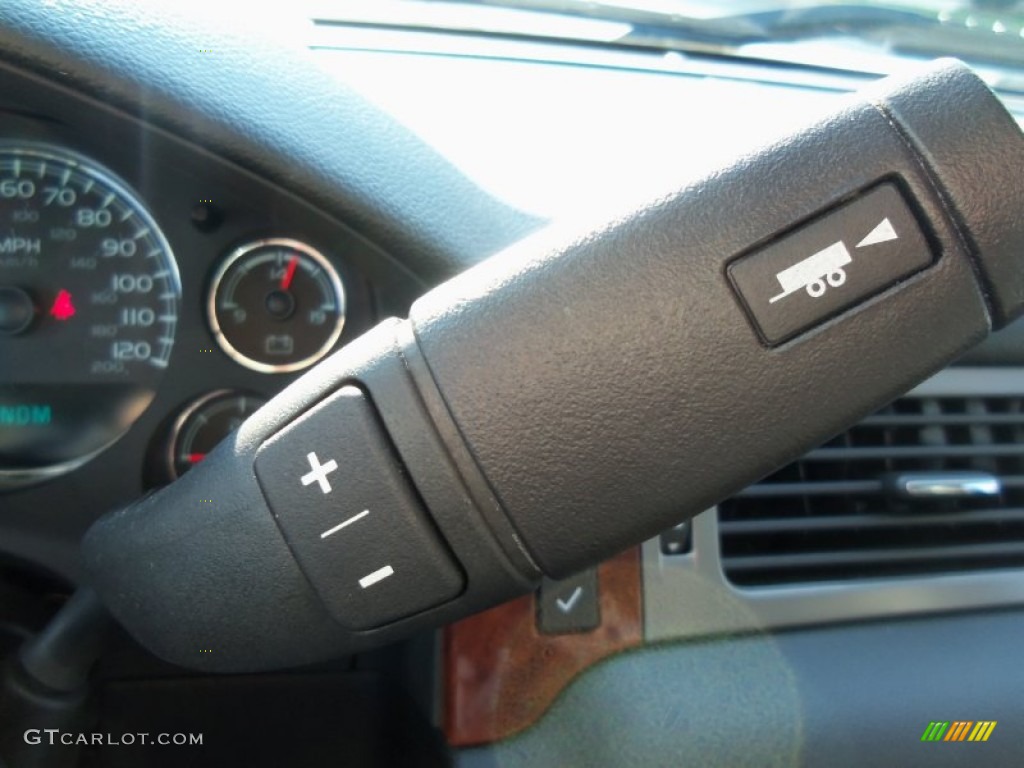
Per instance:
(559,403)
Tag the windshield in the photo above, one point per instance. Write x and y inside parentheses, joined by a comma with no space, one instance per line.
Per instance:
(982,32)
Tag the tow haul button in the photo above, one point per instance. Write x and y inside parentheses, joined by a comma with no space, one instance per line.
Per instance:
(824,267)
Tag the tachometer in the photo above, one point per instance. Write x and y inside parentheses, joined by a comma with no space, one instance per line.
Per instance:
(89,294)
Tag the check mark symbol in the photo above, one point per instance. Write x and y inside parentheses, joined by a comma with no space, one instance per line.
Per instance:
(567,605)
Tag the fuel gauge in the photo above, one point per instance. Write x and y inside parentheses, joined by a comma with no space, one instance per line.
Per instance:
(276,305)
(204,423)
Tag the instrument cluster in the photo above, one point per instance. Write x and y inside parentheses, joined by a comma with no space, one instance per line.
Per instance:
(90,295)
(152,296)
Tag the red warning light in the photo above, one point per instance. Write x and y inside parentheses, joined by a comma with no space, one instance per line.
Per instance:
(62,307)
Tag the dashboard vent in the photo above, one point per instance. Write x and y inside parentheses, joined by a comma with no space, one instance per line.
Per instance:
(839,513)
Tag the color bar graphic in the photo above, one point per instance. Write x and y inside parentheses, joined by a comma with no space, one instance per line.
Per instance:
(958,730)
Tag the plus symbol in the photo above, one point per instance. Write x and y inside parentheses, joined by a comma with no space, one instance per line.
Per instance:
(318,472)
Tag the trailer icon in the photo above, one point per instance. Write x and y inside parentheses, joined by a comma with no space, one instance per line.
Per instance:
(813,272)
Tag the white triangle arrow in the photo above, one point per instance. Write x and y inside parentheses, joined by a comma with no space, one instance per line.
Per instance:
(880,234)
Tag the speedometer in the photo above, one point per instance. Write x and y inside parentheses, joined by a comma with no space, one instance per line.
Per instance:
(89,294)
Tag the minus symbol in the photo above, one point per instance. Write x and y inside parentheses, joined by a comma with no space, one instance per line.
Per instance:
(379,575)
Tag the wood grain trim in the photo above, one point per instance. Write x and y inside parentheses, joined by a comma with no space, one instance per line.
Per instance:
(501,674)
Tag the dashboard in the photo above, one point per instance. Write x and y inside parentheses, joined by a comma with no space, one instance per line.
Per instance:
(256,223)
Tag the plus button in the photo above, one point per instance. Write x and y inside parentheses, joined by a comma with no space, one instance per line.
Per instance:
(318,472)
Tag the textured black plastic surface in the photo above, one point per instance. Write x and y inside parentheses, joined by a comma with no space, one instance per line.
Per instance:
(612,386)
(961,133)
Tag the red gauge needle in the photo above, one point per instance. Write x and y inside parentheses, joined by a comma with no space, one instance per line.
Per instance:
(195,458)
(289,273)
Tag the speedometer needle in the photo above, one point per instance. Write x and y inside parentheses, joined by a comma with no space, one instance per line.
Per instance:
(289,273)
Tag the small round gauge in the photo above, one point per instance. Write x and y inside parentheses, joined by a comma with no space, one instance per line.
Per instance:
(89,294)
(204,423)
(276,305)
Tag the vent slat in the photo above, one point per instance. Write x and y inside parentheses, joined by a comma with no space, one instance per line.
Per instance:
(913,452)
(945,419)
(896,556)
(829,516)
(868,522)
(837,488)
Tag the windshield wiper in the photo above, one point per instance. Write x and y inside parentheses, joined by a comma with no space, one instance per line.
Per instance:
(976,36)
(779,24)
